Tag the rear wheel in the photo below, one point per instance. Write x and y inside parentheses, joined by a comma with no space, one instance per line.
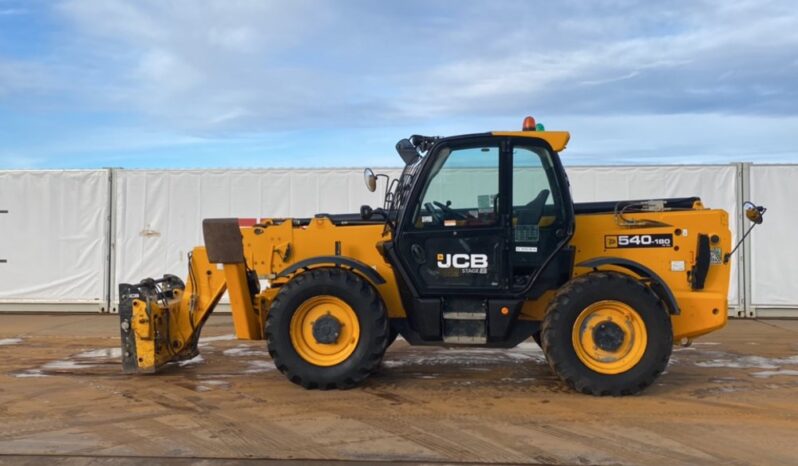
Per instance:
(606,333)
(327,328)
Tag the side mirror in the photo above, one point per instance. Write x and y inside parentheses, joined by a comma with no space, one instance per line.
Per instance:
(407,151)
(754,212)
(371,179)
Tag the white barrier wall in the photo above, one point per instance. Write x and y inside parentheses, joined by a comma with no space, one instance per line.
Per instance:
(774,257)
(53,237)
(56,235)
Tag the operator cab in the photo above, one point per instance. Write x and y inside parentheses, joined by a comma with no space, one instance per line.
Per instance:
(481,223)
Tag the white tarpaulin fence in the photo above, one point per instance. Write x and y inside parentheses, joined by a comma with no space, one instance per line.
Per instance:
(54,237)
(774,258)
(72,236)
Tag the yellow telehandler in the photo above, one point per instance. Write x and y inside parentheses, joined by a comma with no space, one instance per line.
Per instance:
(478,243)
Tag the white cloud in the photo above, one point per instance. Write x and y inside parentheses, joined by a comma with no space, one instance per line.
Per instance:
(26,77)
(200,66)
(240,65)
(222,70)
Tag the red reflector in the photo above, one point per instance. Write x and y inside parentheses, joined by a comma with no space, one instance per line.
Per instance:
(529,124)
(247,222)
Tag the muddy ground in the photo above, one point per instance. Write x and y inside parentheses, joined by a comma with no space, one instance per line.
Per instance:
(731,398)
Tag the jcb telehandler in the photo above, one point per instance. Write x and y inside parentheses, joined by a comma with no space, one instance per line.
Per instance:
(478,244)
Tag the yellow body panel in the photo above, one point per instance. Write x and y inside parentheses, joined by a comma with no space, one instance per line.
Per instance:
(556,139)
(267,251)
(245,317)
(701,311)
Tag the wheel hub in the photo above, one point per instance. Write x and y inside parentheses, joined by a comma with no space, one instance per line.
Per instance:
(326,330)
(608,336)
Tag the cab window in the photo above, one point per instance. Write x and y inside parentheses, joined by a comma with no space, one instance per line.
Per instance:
(533,197)
(462,189)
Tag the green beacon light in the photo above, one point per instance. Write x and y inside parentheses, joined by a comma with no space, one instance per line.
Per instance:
(540,127)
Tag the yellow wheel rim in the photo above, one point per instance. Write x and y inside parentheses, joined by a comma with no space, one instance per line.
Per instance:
(609,337)
(334,350)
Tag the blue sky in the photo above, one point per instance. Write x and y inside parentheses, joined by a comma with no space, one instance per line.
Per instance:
(311,83)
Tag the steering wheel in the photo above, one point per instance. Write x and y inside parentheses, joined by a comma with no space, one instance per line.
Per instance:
(446,209)
(436,215)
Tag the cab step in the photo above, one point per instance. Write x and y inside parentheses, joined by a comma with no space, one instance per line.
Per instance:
(455,315)
(465,322)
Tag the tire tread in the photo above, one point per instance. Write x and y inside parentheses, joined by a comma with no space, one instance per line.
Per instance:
(578,376)
(304,374)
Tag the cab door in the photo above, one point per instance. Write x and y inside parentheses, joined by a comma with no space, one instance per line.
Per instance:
(453,237)
(541,218)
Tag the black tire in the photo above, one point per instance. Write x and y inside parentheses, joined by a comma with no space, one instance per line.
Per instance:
(372,318)
(580,293)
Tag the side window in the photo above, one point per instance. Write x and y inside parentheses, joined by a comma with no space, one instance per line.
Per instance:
(462,189)
(533,199)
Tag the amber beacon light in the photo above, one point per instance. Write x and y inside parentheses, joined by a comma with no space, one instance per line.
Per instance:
(530,125)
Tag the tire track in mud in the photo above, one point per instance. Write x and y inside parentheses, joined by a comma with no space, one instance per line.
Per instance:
(444,441)
(445,430)
(204,431)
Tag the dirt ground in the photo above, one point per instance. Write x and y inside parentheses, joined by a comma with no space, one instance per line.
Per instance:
(731,398)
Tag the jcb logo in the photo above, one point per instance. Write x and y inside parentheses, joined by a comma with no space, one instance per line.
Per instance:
(463,261)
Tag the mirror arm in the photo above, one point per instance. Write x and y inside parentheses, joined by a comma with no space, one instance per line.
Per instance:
(387,186)
(753,213)
(731,253)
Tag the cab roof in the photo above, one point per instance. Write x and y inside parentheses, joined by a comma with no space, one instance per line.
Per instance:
(556,139)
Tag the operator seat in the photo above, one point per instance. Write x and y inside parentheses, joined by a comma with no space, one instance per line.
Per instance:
(531,213)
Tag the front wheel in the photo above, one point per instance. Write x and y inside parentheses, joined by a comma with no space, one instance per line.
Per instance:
(606,333)
(327,328)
